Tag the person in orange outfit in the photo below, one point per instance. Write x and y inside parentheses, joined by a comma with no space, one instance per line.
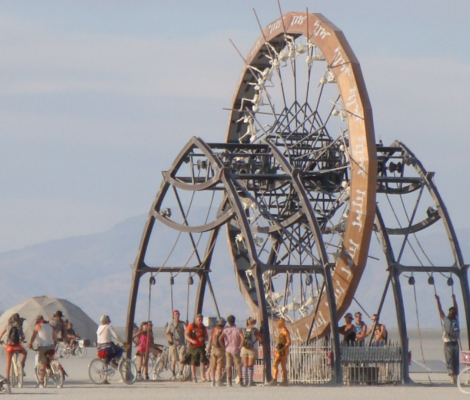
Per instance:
(282,352)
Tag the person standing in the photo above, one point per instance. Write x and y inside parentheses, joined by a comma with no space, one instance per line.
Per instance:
(451,338)
(361,329)
(348,330)
(175,333)
(45,336)
(379,330)
(217,354)
(196,335)
(146,346)
(231,341)
(282,352)
(249,352)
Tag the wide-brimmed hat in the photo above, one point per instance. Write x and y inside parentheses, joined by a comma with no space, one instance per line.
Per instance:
(348,315)
(59,314)
(221,322)
(39,317)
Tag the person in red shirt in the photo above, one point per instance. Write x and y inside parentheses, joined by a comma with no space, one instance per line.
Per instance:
(196,335)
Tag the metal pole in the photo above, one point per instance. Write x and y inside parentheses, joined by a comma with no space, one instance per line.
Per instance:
(401,320)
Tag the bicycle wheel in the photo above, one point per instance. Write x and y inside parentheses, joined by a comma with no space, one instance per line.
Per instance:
(13,374)
(97,371)
(463,380)
(57,374)
(19,375)
(45,381)
(80,352)
(37,373)
(128,371)
(66,351)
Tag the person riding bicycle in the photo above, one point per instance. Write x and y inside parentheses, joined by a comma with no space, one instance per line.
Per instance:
(104,342)
(45,336)
(72,337)
(59,326)
(15,336)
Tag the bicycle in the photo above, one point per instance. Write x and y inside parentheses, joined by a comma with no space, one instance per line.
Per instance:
(65,350)
(162,367)
(16,370)
(463,380)
(54,371)
(103,369)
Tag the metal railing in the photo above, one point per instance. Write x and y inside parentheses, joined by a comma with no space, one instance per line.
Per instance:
(312,363)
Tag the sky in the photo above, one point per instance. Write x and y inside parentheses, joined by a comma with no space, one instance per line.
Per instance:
(98,97)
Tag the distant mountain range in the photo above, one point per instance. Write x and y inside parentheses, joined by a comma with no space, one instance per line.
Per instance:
(93,272)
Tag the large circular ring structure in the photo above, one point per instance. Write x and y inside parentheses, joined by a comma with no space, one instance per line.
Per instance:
(302,93)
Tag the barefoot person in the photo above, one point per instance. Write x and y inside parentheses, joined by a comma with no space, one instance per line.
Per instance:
(282,352)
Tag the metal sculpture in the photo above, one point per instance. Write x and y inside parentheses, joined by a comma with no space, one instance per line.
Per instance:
(295,181)
(418,208)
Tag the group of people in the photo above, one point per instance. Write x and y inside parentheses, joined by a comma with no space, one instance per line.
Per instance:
(226,346)
(355,331)
(46,334)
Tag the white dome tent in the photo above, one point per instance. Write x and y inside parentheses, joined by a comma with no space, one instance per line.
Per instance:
(47,306)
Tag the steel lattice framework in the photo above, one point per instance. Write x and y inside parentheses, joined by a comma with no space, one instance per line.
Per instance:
(295,184)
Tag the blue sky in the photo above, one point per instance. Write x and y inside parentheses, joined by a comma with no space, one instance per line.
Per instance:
(97,97)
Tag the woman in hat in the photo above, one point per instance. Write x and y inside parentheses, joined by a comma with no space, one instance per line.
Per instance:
(15,336)
(146,346)
(249,352)
(105,334)
(217,353)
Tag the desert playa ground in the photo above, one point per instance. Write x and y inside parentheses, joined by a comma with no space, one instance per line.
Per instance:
(429,384)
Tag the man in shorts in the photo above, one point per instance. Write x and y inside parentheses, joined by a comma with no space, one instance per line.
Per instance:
(217,354)
(175,333)
(45,337)
(196,335)
(231,341)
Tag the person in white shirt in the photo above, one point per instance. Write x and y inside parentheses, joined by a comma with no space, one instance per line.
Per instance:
(45,337)
(105,334)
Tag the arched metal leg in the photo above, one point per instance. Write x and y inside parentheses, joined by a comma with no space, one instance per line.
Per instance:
(338,371)
(131,310)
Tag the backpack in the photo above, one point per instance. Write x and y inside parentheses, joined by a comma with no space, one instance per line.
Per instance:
(13,336)
(248,342)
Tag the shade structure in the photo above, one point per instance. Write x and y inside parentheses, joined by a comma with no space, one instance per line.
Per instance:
(47,306)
